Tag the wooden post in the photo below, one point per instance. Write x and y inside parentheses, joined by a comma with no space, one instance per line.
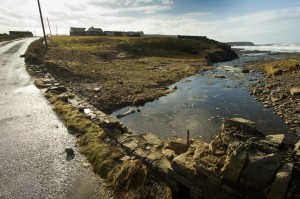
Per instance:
(188,138)
(42,24)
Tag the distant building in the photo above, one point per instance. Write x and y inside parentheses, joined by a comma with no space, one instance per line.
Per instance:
(94,32)
(20,34)
(77,31)
(114,33)
(135,34)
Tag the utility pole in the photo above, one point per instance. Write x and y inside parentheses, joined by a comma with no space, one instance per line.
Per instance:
(56,30)
(42,24)
(49,27)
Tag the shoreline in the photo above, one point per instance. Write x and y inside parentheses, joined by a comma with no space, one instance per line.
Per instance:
(274,90)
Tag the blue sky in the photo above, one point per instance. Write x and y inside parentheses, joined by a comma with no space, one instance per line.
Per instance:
(260,21)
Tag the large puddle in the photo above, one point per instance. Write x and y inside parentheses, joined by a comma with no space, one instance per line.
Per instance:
(202,102)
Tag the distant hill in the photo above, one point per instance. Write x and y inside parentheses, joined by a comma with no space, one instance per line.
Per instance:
(242,43)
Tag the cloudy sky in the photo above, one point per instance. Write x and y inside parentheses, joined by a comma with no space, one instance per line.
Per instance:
(260,21)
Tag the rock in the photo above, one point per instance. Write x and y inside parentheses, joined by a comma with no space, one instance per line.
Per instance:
(245,71)
(278,72)
(69,151)
(107,140)
(183,165)
(97,90)
(245,122)
(85,165)
(237,129)
(39,83)
(295,91)
(139,102)
(259,172)
(280,186)
(152,139)
(73,102)
(59,89)
(170,154)
(220,76)
(87,111)
(297,149)
(234,164)
(126,113)
(177,145)
(276,99)
(278,139)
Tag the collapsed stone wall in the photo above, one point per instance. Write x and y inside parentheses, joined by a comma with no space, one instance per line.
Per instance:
(239,163)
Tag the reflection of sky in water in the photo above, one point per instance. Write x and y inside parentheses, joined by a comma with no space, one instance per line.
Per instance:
(202,104)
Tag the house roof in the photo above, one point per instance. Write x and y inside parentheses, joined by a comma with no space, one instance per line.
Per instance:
(73,29)
(92,29)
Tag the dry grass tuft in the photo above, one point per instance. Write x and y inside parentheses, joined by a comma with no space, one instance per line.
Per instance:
(132,180)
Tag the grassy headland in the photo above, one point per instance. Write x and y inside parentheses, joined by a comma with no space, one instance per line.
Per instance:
(113,72)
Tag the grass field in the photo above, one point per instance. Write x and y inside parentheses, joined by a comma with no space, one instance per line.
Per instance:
(128,71)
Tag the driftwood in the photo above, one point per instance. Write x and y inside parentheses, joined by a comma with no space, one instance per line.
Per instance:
(126,113)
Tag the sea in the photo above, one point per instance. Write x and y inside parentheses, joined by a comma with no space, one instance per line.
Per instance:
(273,48)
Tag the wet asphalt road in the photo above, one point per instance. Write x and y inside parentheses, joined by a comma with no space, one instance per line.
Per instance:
(33,161)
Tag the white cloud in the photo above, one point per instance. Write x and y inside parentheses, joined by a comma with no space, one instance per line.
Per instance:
(151,16)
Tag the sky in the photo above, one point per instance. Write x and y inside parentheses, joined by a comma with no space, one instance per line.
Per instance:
(258,21)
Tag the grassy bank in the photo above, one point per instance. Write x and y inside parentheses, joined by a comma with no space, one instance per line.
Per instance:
(130,179)
(113,72)
(276,67)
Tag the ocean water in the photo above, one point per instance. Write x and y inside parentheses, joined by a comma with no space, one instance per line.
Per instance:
(274,48)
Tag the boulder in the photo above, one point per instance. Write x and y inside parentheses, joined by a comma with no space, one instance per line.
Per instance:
(169,154)
(57,89)
(152,139)
(260,171)
(69,151)
(245,122)
(177,145)
(245,71)
(295,91)
(237,129)
(96,90)
(277,139)
(280,185)
(234,164)
(297,149)
(39,83)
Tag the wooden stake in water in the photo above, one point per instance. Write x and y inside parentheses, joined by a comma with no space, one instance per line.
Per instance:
(188,138)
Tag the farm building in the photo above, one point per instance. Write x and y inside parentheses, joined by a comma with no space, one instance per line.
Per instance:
(114,33)
(20,34)
(135,34)
(94,32)
(77,31)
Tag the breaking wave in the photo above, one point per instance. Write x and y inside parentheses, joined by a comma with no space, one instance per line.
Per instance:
(283,48)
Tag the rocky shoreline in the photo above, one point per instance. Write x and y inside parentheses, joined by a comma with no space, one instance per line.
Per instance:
(280,89)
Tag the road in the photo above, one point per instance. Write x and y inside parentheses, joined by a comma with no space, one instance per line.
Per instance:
(33,161)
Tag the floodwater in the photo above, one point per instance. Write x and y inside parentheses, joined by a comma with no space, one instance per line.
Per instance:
(202,102)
